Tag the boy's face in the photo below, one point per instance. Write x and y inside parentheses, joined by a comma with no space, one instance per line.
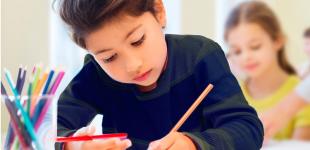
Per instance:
(130,49)
(307,45)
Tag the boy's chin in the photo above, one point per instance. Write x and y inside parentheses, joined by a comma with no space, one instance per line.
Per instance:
(146,84)
(147,87)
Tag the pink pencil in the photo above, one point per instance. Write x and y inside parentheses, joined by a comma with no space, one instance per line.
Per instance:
(48,102)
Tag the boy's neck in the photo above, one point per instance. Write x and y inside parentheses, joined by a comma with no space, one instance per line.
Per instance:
(147,88)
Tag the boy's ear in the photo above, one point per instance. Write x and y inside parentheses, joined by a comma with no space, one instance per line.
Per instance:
(160,12)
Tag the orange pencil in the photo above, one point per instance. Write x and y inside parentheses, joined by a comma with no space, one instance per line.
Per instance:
(192,108)
(37,91)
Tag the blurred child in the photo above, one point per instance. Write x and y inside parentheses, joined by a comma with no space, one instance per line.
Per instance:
(289,107)
(292,103)
(256,45)
(143,81)
(305,70)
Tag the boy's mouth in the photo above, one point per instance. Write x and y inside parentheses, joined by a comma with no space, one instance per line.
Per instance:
(143,76)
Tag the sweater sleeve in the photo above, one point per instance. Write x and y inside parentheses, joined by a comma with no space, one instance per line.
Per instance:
(73,111)
(235,125)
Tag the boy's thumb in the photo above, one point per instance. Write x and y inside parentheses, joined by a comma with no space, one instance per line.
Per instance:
(89,130)
(81,132)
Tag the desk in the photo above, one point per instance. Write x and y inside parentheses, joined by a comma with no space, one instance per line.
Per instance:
(287,145)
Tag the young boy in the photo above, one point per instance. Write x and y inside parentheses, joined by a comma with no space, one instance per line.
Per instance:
(143,81)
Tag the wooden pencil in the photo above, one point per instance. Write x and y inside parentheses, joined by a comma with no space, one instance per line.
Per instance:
(192,108)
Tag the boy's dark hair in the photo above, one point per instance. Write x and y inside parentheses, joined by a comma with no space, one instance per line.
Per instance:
(307,33)
(85,16)
(259,13)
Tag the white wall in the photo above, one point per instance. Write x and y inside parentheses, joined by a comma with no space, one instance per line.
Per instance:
(174,15)
(24,37)
(198,17)
(24,33)
(294,16)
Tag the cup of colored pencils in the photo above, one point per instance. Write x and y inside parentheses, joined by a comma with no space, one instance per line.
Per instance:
(32,107)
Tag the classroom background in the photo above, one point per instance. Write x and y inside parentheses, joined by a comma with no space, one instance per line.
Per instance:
(32,33)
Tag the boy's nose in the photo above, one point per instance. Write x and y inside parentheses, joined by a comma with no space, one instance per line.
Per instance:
(134,65)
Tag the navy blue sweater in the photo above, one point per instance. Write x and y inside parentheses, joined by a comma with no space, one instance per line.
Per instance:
(223,120)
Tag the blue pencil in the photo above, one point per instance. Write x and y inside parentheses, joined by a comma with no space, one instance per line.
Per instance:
(38,109)
(22,81)
(18,77)
(49,79)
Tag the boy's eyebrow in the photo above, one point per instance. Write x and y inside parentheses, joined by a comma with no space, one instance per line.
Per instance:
(128,34)
(101,51)
(133,30)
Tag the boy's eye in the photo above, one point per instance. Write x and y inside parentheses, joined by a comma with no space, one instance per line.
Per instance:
(139,42)
(110,59)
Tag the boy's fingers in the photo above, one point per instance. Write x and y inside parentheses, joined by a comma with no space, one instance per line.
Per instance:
(164,143)
(155,145)
(124,144)
(177,146)
(113,143)
(98,144)
(81,132)
(169,140)
(128,143)
(119,144)
(91,130)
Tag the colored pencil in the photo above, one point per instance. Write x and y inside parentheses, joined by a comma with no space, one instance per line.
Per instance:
(49,101)
(93,137)
(192,108)
(24,115)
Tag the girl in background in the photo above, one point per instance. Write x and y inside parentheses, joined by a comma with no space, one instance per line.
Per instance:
(256,46)
(305,69)
(293,102)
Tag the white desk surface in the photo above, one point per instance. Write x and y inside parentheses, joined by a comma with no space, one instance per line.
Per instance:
(287,145)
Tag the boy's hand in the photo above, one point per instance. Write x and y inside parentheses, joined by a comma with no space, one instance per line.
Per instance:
(111,144)
(173,141)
